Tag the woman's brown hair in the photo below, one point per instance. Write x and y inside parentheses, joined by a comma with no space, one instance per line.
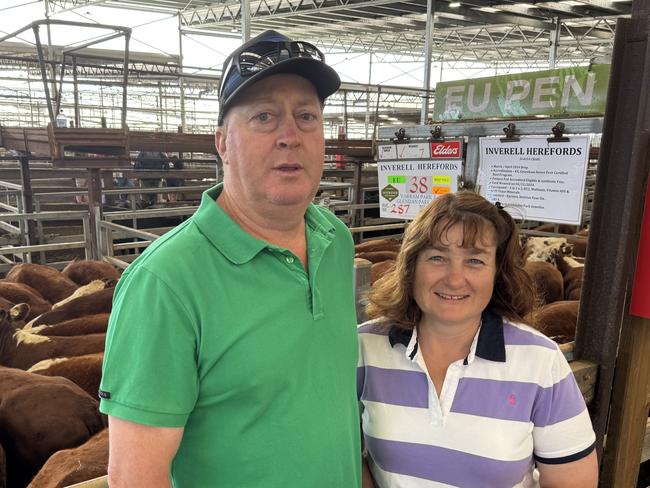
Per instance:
(513,296)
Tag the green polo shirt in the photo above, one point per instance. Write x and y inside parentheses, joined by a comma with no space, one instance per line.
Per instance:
(229,337)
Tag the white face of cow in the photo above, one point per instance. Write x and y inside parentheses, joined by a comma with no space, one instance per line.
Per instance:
(547,248)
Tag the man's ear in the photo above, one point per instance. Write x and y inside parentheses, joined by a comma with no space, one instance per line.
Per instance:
(220,143)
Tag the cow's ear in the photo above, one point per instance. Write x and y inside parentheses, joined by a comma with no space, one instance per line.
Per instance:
(18,312)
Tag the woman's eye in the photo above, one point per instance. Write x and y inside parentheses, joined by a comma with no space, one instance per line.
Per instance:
(476,261)
(436,258)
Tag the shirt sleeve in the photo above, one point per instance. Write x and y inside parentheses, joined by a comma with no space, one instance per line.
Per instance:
(562,430)
(150,373)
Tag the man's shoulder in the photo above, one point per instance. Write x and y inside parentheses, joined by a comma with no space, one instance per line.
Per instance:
(172,251)
(326,218)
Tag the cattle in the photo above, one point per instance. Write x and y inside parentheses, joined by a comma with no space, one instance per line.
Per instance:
(385,244)
(88,324)
(84,371)
(558,320)
(377,256)
(378,270)
(98,302)
(572,272)
(579,245)
(82,291)
(22,349)
(49,282)
(72,466)
(83,272)
(547,249)
(39,416)
(547,281)
(22,293)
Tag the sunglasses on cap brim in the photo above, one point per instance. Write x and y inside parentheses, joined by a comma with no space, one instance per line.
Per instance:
(265,54)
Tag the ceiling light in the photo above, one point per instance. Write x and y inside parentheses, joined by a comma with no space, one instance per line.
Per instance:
(454,5)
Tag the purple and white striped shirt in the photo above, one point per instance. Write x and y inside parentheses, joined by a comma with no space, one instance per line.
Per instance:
(512,401)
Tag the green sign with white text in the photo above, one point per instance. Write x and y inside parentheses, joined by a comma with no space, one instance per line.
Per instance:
(555,92)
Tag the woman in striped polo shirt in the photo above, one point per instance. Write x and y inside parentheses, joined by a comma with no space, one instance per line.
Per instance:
(455,390)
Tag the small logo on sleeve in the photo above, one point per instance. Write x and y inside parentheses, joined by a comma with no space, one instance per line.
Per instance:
(104,394)
(512,399)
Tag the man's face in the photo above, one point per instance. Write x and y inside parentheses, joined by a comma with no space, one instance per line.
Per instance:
(272,143)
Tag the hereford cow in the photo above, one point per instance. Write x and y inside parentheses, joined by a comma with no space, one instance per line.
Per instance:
(84,371)
(83,272)
(72,466)
(380,269)
(22,293)
(88,324)
(49,282)
(98,302)
(82,291)
(547,281)
(558,320)
(572,272)
(546,248)
(377,256)
(39,416)
(579,245)
(21,349)
(385,244)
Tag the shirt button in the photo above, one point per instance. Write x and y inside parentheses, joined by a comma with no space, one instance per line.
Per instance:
(289,259)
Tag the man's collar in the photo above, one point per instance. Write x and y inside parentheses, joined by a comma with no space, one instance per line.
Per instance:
(490,344)
(233,241)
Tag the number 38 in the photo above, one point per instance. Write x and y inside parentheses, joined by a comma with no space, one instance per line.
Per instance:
(418,185)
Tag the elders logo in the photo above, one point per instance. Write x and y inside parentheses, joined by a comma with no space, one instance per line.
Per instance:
(446,150)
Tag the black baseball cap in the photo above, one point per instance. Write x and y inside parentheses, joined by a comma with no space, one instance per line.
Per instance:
(271,53)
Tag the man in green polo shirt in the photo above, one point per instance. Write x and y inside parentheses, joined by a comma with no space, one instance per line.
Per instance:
(231,353)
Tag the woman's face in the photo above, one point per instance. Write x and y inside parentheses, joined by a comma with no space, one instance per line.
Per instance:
(453,284)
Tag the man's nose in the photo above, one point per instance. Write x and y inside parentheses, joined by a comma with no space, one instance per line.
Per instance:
(288,132)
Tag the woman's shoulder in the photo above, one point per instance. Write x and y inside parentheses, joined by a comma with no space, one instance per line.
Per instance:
(520,334)
(378,326)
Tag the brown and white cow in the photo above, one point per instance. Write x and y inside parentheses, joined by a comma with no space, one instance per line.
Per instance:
(378,270)
(377,256)
(374,245)
(72,466)
(88,324)
(22,293)
(22,349)
(558,320)
(49,282)
(83,272)
(547,249)
(84,371)
(572,272)
(547,281)
(39,416)
(98,302)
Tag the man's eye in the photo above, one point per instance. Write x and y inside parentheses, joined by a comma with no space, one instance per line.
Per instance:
(263,117)
(307,116)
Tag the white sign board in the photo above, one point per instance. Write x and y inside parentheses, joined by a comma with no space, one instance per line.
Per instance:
(535,179)
(413,174)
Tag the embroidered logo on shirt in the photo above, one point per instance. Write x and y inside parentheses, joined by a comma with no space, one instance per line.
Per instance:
(512,400)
